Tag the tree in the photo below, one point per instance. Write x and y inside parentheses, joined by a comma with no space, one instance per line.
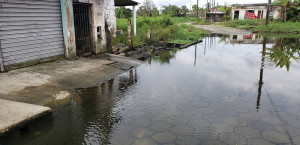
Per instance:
(155,12)
(123,12)
(183,11)
(284,6)
(225,10)
(268,12)
(171,10)
(201,11)
(147,8)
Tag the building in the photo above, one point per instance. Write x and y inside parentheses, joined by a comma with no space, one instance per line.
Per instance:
(252,11)
(34,31)
(215,15)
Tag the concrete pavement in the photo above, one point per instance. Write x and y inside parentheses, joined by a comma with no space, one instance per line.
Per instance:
(24,92)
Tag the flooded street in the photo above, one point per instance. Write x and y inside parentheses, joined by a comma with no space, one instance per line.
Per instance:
(225,90)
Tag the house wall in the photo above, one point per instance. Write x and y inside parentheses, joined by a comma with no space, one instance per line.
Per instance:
(243,11)
(102,11)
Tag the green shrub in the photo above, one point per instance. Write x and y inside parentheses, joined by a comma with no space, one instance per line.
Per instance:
(163,28)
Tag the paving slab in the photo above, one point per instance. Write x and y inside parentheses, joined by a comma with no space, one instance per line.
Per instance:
(15,115)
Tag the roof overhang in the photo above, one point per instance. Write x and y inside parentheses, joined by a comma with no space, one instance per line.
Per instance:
(125,3)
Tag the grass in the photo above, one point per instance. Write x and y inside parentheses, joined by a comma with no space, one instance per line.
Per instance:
(259,25)
(279,27)
(183,19)
(163,28)
(202,22)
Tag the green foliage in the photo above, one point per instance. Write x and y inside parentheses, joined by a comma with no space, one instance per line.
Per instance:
(166,56)
(123,12)
(163,28)
(279,27)
(259,25)
(177,20)
(203,22)
(183,11)
(175,11)
(171,10)
(290,10)
(284,51)
(148,9)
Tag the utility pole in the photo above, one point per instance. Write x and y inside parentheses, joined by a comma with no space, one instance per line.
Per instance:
(268,12)
(197,10)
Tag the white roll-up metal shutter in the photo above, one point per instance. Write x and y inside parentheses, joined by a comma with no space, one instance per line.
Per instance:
(30,30)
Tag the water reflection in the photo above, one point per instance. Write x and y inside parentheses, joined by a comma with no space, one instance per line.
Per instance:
(284,51)
(211,93)
(260,83)
(89,119)
(246,39)
(165,56)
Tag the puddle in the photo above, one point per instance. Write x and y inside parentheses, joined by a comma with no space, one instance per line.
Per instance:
(225,90)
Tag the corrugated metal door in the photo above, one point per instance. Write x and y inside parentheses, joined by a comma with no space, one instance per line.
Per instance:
(30,30)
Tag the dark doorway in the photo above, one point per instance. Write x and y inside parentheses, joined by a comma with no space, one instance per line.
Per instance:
(236,14)
(82,24)
(259,15)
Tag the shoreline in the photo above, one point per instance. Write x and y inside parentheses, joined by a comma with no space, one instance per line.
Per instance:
(31,94)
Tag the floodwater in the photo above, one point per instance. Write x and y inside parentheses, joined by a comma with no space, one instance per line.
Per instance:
(225,90)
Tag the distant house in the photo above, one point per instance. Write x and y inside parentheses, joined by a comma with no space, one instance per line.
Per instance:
(35,31)
(252,11)
(214,15)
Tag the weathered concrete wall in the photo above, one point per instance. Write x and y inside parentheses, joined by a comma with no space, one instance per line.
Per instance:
(215,17)
(110,16)
(103,11)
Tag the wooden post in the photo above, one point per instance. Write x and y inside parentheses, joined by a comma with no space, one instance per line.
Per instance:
(149,35)
(129,33)
(134,20)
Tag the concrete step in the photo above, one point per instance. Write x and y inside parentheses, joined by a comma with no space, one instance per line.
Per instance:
(16,115)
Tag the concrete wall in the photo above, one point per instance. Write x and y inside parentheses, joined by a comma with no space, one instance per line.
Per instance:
(102,11)
(243,11)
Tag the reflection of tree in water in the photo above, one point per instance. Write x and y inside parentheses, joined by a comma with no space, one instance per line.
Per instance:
(96,114)
(166,56)
(284,50)
(261,74)
(261,85)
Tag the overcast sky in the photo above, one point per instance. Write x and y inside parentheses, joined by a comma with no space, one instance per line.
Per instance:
(159,3)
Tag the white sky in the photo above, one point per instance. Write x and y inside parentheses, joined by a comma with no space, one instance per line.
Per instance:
(159,3)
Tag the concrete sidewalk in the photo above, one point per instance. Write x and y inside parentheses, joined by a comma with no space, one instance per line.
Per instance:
(14,115)
(52,84)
